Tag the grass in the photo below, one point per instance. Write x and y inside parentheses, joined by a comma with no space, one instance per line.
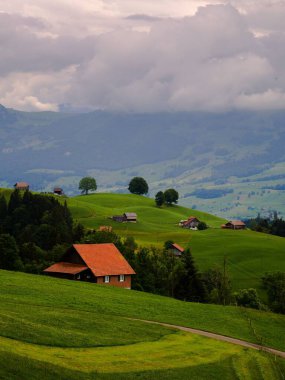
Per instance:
(249,254)
(60,329)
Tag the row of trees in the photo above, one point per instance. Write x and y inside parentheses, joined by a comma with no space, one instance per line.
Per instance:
(137,185)
(168,197)
(274,226)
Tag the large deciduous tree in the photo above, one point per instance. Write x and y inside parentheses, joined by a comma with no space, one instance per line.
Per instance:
(171,196)
(87,184)
(159,198)
(138,185)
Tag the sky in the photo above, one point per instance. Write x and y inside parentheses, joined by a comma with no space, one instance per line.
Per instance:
(142,55)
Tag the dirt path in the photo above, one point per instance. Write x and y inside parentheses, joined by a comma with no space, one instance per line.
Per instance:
(219,337)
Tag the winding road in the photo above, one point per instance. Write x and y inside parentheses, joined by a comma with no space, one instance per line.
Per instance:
(223,338)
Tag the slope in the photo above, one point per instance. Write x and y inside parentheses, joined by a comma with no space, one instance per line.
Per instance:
(249,254)
(71,330)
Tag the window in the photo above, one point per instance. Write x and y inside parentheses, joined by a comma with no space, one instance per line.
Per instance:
(122,278)
(107,279)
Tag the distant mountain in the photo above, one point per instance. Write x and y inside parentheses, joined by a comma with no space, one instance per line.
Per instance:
(238,157)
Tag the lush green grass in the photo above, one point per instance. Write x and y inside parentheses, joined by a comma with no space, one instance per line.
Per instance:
(60,329)
(249,254)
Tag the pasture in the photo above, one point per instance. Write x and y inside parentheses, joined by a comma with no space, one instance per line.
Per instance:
(248,254)
(64,329)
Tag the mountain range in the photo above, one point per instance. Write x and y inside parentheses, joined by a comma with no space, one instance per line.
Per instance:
(231,164)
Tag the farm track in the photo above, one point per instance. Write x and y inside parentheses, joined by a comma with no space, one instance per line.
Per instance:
(223,338)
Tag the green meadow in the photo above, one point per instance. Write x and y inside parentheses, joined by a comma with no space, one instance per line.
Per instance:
(60,329)
(248,254)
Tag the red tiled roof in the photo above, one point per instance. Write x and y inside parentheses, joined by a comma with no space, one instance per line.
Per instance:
(103,259)
(176,246)
(191,218)
(21,184)
(68,268)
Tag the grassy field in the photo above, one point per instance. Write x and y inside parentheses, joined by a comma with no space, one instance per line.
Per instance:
(249,254)
(60,329)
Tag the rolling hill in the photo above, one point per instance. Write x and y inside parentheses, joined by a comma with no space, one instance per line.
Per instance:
(64,329)
(237,157)
(249,254)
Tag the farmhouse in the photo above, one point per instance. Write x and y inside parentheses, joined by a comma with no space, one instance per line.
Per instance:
(99,263)
(234,225)
(21,186)
(126,217)
(176,249)
(191,222)
(58,191)
(130,217)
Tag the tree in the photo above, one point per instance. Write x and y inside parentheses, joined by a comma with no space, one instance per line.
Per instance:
(159,198)
(248,298)
(202,226)
(274,283)
(9,253)
(171,196)
(190,286)
(138,185)
(86,184)
(218,285)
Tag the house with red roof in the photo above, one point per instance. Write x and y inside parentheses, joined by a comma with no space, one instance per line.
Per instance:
(234,225)
(191,222)
(21,186)
(176,249)
(99,263)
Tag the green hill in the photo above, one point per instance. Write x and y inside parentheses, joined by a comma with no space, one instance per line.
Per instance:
(249,254)
(60,329)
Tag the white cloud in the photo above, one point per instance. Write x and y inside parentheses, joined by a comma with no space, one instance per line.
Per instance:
(142,55)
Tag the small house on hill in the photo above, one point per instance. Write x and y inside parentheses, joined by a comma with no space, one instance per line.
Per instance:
(176,249)
(98,263)
(192,222)
(234,225)
(126,217)
(21,186)
(130,217)
(58,191)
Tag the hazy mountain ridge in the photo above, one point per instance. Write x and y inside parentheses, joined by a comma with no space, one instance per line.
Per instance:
(234,150)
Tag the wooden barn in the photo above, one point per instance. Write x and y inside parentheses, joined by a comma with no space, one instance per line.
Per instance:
(234,225)
(98,263)
(22,186)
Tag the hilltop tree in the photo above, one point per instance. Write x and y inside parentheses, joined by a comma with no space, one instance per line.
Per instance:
(171,196)
(86,184)
(138,185)
(159,198)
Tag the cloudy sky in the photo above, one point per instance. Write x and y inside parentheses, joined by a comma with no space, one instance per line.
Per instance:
(142,55)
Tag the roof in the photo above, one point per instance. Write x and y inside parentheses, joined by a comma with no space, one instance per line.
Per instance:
(236,223)
(57,189)
(103,259)
(21,184)
(191,218)
(68,268)
(130,214)
(176,246)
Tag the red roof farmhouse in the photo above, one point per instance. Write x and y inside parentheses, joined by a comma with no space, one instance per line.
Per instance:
(191,222)
(176,249)
(234,225)
(21,186)
(99,263)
